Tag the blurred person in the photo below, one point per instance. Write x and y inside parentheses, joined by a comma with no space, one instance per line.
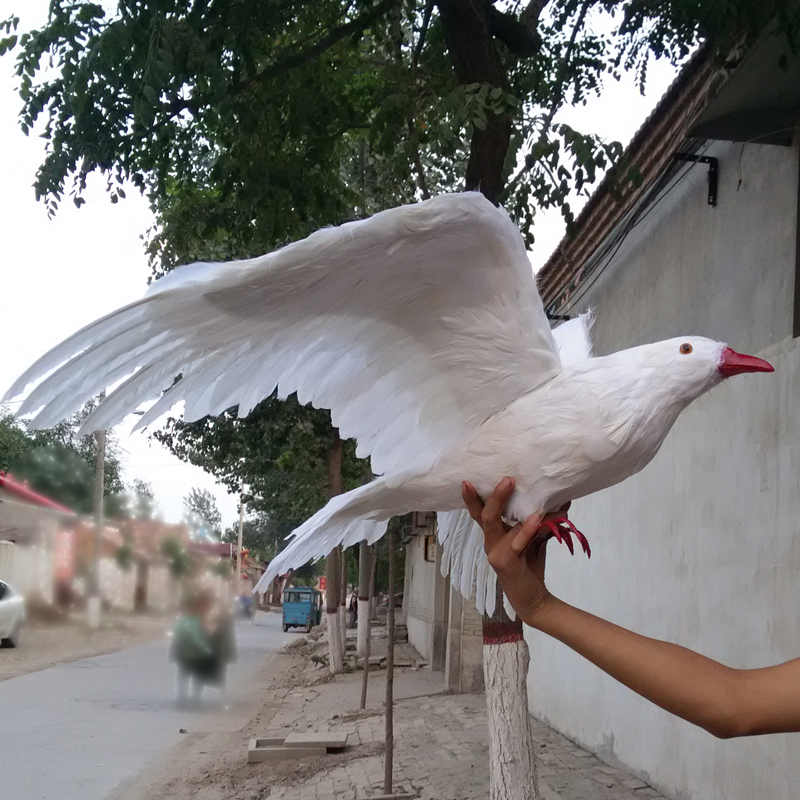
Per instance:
(203,644)
(352,621)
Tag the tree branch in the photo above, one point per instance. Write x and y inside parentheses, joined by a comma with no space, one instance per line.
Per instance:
(521,38)
(294,60)
(426,20)
(558,94)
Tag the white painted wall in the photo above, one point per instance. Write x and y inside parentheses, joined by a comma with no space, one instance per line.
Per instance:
(702,548)
(419,598)
(28,568)
(117,585)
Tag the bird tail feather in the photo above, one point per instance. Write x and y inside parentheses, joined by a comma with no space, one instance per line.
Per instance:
(464,558)
(363,513)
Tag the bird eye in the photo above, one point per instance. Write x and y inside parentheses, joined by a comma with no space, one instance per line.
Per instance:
(686,348)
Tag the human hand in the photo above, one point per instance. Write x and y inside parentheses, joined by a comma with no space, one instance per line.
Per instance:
(517,554)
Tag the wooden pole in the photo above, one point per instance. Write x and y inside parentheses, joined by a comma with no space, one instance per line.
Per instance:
(95,601)
(388,762)
(368,639)
(238,582)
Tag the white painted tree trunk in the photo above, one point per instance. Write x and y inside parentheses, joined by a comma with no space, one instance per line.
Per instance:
(335,652)
(333,566)
(512,765)
(332,576)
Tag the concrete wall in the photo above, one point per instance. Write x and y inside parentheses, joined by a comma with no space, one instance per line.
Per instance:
(463,670)
(426,602)
(162,589)
(690,268)
(701,548)
(28,568)
(117,585)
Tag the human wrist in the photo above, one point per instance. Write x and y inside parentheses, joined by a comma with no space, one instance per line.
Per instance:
(539,612)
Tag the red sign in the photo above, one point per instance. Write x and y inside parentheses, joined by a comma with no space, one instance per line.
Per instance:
(323,582)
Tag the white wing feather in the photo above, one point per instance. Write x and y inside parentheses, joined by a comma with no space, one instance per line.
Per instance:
(573,339)
(413,327)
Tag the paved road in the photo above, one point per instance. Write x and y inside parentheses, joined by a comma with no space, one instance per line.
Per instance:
(76,731)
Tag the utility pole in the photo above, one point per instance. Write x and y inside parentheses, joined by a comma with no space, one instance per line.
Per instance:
(367,609)
(99,487)
(237,584)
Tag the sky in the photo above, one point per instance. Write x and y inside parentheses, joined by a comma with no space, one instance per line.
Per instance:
(57,275)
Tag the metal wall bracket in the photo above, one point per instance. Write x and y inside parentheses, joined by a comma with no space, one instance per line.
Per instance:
(713,172)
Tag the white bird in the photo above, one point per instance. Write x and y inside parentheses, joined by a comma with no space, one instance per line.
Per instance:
(422,330)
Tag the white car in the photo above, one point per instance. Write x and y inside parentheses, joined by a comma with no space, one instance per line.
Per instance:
(12,615)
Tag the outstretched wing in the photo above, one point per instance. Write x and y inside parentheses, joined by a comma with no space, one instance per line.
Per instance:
(413,327)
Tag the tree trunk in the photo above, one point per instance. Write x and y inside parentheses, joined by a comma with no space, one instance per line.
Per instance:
(466,27)
(333,566)
(332,578)
(512,766)
(364,574)
(475,60)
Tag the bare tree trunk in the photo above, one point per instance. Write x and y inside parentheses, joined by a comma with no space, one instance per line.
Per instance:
(333,566)
(368,624)
(389,756)
(512,766)
(364,574)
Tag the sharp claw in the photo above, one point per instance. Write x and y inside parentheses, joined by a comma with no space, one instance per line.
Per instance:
(551,526)
(581,538)
(561,530)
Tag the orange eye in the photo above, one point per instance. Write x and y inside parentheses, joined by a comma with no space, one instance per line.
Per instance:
(686,348)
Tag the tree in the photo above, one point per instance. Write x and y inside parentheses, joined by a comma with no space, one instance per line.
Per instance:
(57,462)
(137,502)
(201,513)
(14,440)
(251,123)
(279,452)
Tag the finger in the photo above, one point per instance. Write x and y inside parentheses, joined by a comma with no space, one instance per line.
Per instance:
(526,534)
(493,510)
(472,501)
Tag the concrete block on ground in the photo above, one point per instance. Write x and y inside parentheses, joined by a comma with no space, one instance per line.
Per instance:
(329,740)
(273,750)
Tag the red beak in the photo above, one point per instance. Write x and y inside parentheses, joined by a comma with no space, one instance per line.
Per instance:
(733,363)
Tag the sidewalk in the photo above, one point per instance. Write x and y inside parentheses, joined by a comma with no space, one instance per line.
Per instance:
(441,742)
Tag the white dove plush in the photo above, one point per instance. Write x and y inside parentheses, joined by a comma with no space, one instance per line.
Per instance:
(422,330)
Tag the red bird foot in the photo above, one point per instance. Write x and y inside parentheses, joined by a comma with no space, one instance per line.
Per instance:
(561,528)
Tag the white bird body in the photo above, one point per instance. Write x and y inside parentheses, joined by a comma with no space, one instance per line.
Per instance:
(559,449)
(422,330)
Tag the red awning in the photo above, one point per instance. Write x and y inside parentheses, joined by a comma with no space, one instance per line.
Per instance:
(21,491)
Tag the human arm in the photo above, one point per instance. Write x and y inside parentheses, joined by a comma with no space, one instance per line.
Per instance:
(726,702)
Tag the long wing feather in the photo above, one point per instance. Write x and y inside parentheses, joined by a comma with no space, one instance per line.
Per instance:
(573,338)
(413,327)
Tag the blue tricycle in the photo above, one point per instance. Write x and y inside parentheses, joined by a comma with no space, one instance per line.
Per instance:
(302,608)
